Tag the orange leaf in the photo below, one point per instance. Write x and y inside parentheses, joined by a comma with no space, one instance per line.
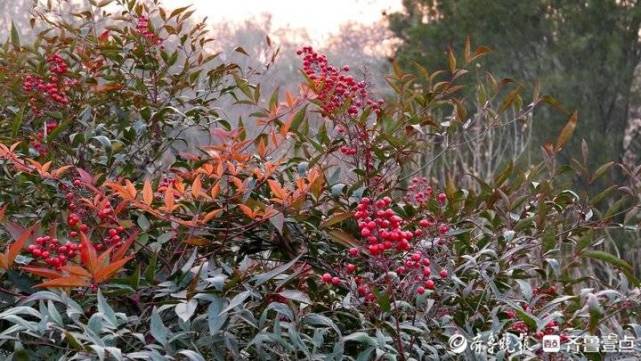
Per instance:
(88,253)
(169,198)
(248,211)
(46,166)
(71,281)
(215,190)
(211,215)
(43,272)
(220,169)
(104,88)
(60,171)
(262,149)
(77,271)
(196,241)
(16,247)
(147,192)
(276,188)
(4,263)
(240,187)
(122,250)
(290,100)
(105,273)
(284,129)
(131,189)
(196,187)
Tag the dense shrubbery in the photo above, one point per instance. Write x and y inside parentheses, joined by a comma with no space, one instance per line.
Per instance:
(304,230)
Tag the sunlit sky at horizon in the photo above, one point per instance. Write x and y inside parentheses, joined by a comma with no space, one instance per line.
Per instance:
(318,18)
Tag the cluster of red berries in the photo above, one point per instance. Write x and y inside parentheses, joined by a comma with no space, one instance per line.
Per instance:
(551,328)
(390,260)
(57,64)
(51,88)
(37,143)
(419,191)
(347,150)
(50,251)
(142,26)
(381,226)
(327,278)
(114,234)
(333,87)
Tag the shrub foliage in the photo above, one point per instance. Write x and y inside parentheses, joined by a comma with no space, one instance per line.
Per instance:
(305,229)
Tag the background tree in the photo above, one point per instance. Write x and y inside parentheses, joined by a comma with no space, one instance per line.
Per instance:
(583,52)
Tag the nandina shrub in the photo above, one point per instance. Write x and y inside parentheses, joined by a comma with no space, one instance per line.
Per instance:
(310,228)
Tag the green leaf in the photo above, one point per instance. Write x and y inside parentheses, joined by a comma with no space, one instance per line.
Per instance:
(383,300)
(296,295)
(17,122)
(215,320)
(614,261)
(185,310)
(264,277)
(192,355)
(360,337)
(107,312)
(15,36)
(143,222)
(601,171)
(104,141)
(315,319)
(343,238)
(157,328)
(298,118)
(236,301)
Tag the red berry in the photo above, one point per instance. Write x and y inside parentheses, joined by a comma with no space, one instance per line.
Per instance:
(350,267)
(353,251)
(443,273)
(420,290)
(336,281)
(326,277)
(429,284)
(362,290)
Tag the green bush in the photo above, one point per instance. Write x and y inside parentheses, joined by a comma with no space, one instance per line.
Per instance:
(306,229)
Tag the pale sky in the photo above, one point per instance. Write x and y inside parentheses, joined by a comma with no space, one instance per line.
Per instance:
(319,17)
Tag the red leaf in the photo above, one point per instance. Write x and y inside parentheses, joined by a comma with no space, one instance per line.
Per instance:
(16,247)
(88,253)
(43,272)
(107,272)
(71,281)
(120,252)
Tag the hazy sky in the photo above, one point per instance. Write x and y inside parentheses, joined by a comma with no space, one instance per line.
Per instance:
(319,18)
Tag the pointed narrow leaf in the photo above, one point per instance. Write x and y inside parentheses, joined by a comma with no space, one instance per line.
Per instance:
(64,282)
(147,193)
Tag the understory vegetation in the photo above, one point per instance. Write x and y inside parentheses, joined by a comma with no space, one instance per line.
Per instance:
(327,223)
